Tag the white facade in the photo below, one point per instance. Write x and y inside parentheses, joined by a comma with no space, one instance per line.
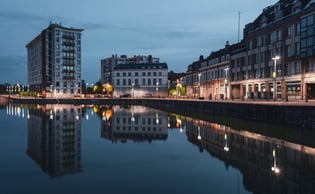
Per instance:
(108,64)
(138,80)
(54,62)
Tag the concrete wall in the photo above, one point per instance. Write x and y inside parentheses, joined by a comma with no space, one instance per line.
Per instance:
(297,115)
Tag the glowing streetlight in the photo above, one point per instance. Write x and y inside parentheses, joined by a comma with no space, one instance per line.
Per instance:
(225,81)
(199,76)
(274,75)
(157,88)
(86,87)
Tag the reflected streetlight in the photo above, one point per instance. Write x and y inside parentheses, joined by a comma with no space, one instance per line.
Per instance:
(274,75)
(226,147)
(199,136)
(274,168)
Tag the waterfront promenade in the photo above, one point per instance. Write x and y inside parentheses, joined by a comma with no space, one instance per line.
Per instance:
(298,114)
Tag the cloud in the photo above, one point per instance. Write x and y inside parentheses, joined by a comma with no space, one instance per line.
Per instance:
(21,16)
(13,69)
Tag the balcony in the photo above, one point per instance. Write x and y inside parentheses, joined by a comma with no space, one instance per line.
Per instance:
(68,43)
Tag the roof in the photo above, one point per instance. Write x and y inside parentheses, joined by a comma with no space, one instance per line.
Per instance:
(141,66)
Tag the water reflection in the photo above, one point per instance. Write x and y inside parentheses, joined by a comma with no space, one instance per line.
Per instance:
(54,138)
(267,164)
(136,123)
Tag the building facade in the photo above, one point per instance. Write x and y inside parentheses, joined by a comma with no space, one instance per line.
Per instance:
(108,64)
(135,76)
(138,80)
(54,62)
(275,60)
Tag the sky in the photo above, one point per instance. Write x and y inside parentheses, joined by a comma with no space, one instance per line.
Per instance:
(176,31)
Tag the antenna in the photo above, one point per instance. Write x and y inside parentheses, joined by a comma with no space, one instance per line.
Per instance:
(239,24)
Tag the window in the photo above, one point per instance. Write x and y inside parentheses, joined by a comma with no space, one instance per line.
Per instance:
(143,82)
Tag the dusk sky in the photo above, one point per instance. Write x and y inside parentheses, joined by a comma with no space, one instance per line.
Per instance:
(176,31)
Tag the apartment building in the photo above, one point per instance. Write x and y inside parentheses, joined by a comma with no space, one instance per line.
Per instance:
(135,76)
(54,62)
(138,80)
(108,64)
(275,60)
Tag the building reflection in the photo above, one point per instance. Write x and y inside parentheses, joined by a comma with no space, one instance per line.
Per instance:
(136,123)
(276,165)
(54,138)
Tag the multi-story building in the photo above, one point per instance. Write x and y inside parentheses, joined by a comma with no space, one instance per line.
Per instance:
(54,62)
(108,64)
(135,76)
(143,79)
(208,77)
(276,59)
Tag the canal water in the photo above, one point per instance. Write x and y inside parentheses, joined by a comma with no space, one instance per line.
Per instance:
(136,149)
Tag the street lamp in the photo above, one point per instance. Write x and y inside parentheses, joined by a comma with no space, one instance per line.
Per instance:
(86,87)
(132,90)
(225,81)
(199,75)
(157,88)
(274,75)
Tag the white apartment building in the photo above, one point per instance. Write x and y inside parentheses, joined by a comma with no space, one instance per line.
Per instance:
(138,80)
(108,64)
(54,62)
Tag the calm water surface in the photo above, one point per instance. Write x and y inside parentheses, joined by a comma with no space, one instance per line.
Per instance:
(112,149)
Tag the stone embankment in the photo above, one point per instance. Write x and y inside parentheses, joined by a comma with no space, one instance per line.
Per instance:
(298,114)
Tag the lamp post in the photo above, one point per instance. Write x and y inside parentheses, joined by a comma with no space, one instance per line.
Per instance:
(274,75)
(225,82)
(199,75)
(157,88)
(133,90)
(86,87)
(168,87)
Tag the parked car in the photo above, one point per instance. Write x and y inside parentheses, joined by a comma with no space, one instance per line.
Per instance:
(148,95)
(125,96)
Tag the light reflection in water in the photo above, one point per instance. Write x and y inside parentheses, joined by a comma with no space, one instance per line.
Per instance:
(54,137)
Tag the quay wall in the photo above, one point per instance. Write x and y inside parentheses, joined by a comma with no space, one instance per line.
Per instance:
(301,115)
(297,115)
